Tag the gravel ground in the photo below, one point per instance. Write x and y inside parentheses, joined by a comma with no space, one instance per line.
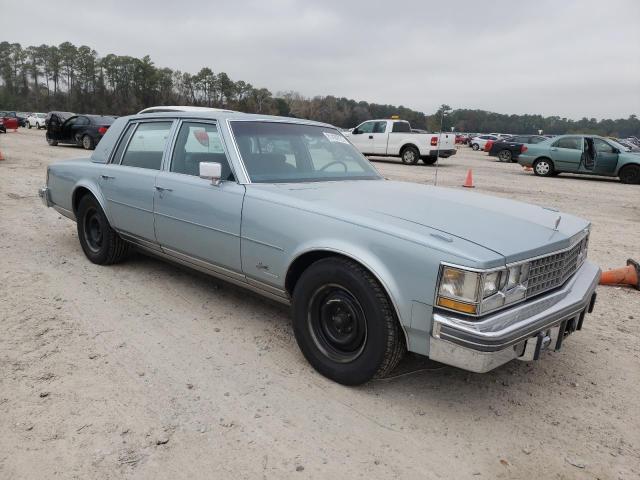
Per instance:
(146,370)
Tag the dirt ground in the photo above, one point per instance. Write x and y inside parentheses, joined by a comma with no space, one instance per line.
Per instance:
(146,370)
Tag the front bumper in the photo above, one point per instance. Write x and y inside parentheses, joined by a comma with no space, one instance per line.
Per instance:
(45,195)
(522,331)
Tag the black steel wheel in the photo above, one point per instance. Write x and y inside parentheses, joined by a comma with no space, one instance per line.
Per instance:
(100,243)
(344,322)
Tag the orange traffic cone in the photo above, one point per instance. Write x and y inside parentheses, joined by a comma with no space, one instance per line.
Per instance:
(1,156)
(468,181)
(527,168)
(623,276)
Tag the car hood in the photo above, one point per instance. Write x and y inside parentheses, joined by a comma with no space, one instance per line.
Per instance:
(512,229)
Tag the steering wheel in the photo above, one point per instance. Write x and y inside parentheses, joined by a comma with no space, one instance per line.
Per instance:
(339,162)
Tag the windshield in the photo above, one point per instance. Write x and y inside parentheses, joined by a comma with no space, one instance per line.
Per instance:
(275,152)
(619,146)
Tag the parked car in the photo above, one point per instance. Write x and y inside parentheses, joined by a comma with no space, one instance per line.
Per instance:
(290,209)
(22,118)
(9,120)
(36,120)
(632,147)
(82,130)
(3,129)
(587,154)
(478,143)
(394,138)
(508,149)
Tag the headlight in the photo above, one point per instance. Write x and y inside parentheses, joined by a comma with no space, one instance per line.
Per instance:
(477,293)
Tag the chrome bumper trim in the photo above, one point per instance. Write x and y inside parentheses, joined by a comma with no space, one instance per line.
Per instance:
(45,195)
(489,342)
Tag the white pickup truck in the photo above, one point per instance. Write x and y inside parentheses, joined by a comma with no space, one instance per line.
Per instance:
(394,138)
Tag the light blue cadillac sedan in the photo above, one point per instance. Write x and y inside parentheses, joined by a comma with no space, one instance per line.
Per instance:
(371,268)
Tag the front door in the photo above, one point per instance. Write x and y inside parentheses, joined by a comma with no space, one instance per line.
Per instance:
(362,137)
(566,153)
(606,157)
(129,181)
(195,220)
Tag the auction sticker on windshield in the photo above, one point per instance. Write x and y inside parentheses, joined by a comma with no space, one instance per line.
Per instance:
(333,137)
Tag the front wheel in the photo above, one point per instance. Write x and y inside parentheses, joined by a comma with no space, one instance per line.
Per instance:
(475,147)
(344,323)
(630,174)
(51,141)
(29,125)
(410,155)
(100,243)
(543,168)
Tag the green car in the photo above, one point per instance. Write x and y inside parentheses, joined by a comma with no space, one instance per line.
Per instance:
(588,154)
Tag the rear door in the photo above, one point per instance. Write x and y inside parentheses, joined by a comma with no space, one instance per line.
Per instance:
(362,137)
(566,153)
(380,137)
(195,220)
(129,181)
(606,157)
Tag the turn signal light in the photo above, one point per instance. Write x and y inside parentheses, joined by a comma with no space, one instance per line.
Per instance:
(455,305)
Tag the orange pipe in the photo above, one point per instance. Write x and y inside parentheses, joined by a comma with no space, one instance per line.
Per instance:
(622,276)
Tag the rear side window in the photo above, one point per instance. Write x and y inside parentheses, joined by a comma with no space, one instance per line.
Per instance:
(401,127)
(146,146)
(198,142)
(573,143)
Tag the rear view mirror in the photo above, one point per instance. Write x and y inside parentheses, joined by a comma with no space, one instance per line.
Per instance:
(211,171)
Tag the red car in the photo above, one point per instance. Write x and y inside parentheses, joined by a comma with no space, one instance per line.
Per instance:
(9,120)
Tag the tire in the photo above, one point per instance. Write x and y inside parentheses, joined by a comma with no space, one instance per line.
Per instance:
(88,143)
(630,174)
(429,160)
(543,167)
(100,243)
(475,147)
(29,125)
(51,142)
(344,322)
(505,155)
(410,155)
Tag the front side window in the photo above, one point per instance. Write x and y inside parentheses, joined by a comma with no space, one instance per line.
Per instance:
(366,127)
(379,127)
(602,146)
(199,142)
(275,152)
(147,145)
(573,143)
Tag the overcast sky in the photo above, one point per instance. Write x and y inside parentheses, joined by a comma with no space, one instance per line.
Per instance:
(566,58)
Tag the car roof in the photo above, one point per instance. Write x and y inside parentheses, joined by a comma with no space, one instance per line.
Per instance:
(219,114)
(178,108)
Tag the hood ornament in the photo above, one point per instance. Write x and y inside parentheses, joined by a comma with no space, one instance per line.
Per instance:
(555,227)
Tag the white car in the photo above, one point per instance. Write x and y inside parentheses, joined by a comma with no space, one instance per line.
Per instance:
(478,143)
(395,138)
(36,120)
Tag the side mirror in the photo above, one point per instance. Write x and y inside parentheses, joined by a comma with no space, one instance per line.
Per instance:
(211,171)
(355,131)
(616,150)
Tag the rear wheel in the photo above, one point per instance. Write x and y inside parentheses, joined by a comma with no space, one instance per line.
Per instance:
(543,167)
(344,323)
(29,125)
(100,243)
(87,143)
(51,141)
(504,155)
(410,155)
(630,174)
(429,160)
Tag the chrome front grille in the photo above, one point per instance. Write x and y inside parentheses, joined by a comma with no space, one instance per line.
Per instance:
(553,270)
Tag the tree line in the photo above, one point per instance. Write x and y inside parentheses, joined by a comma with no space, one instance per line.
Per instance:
(75,78)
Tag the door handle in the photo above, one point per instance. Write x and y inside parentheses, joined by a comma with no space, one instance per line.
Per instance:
(554,149)
(107,177)
(370,136)
(162,189)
